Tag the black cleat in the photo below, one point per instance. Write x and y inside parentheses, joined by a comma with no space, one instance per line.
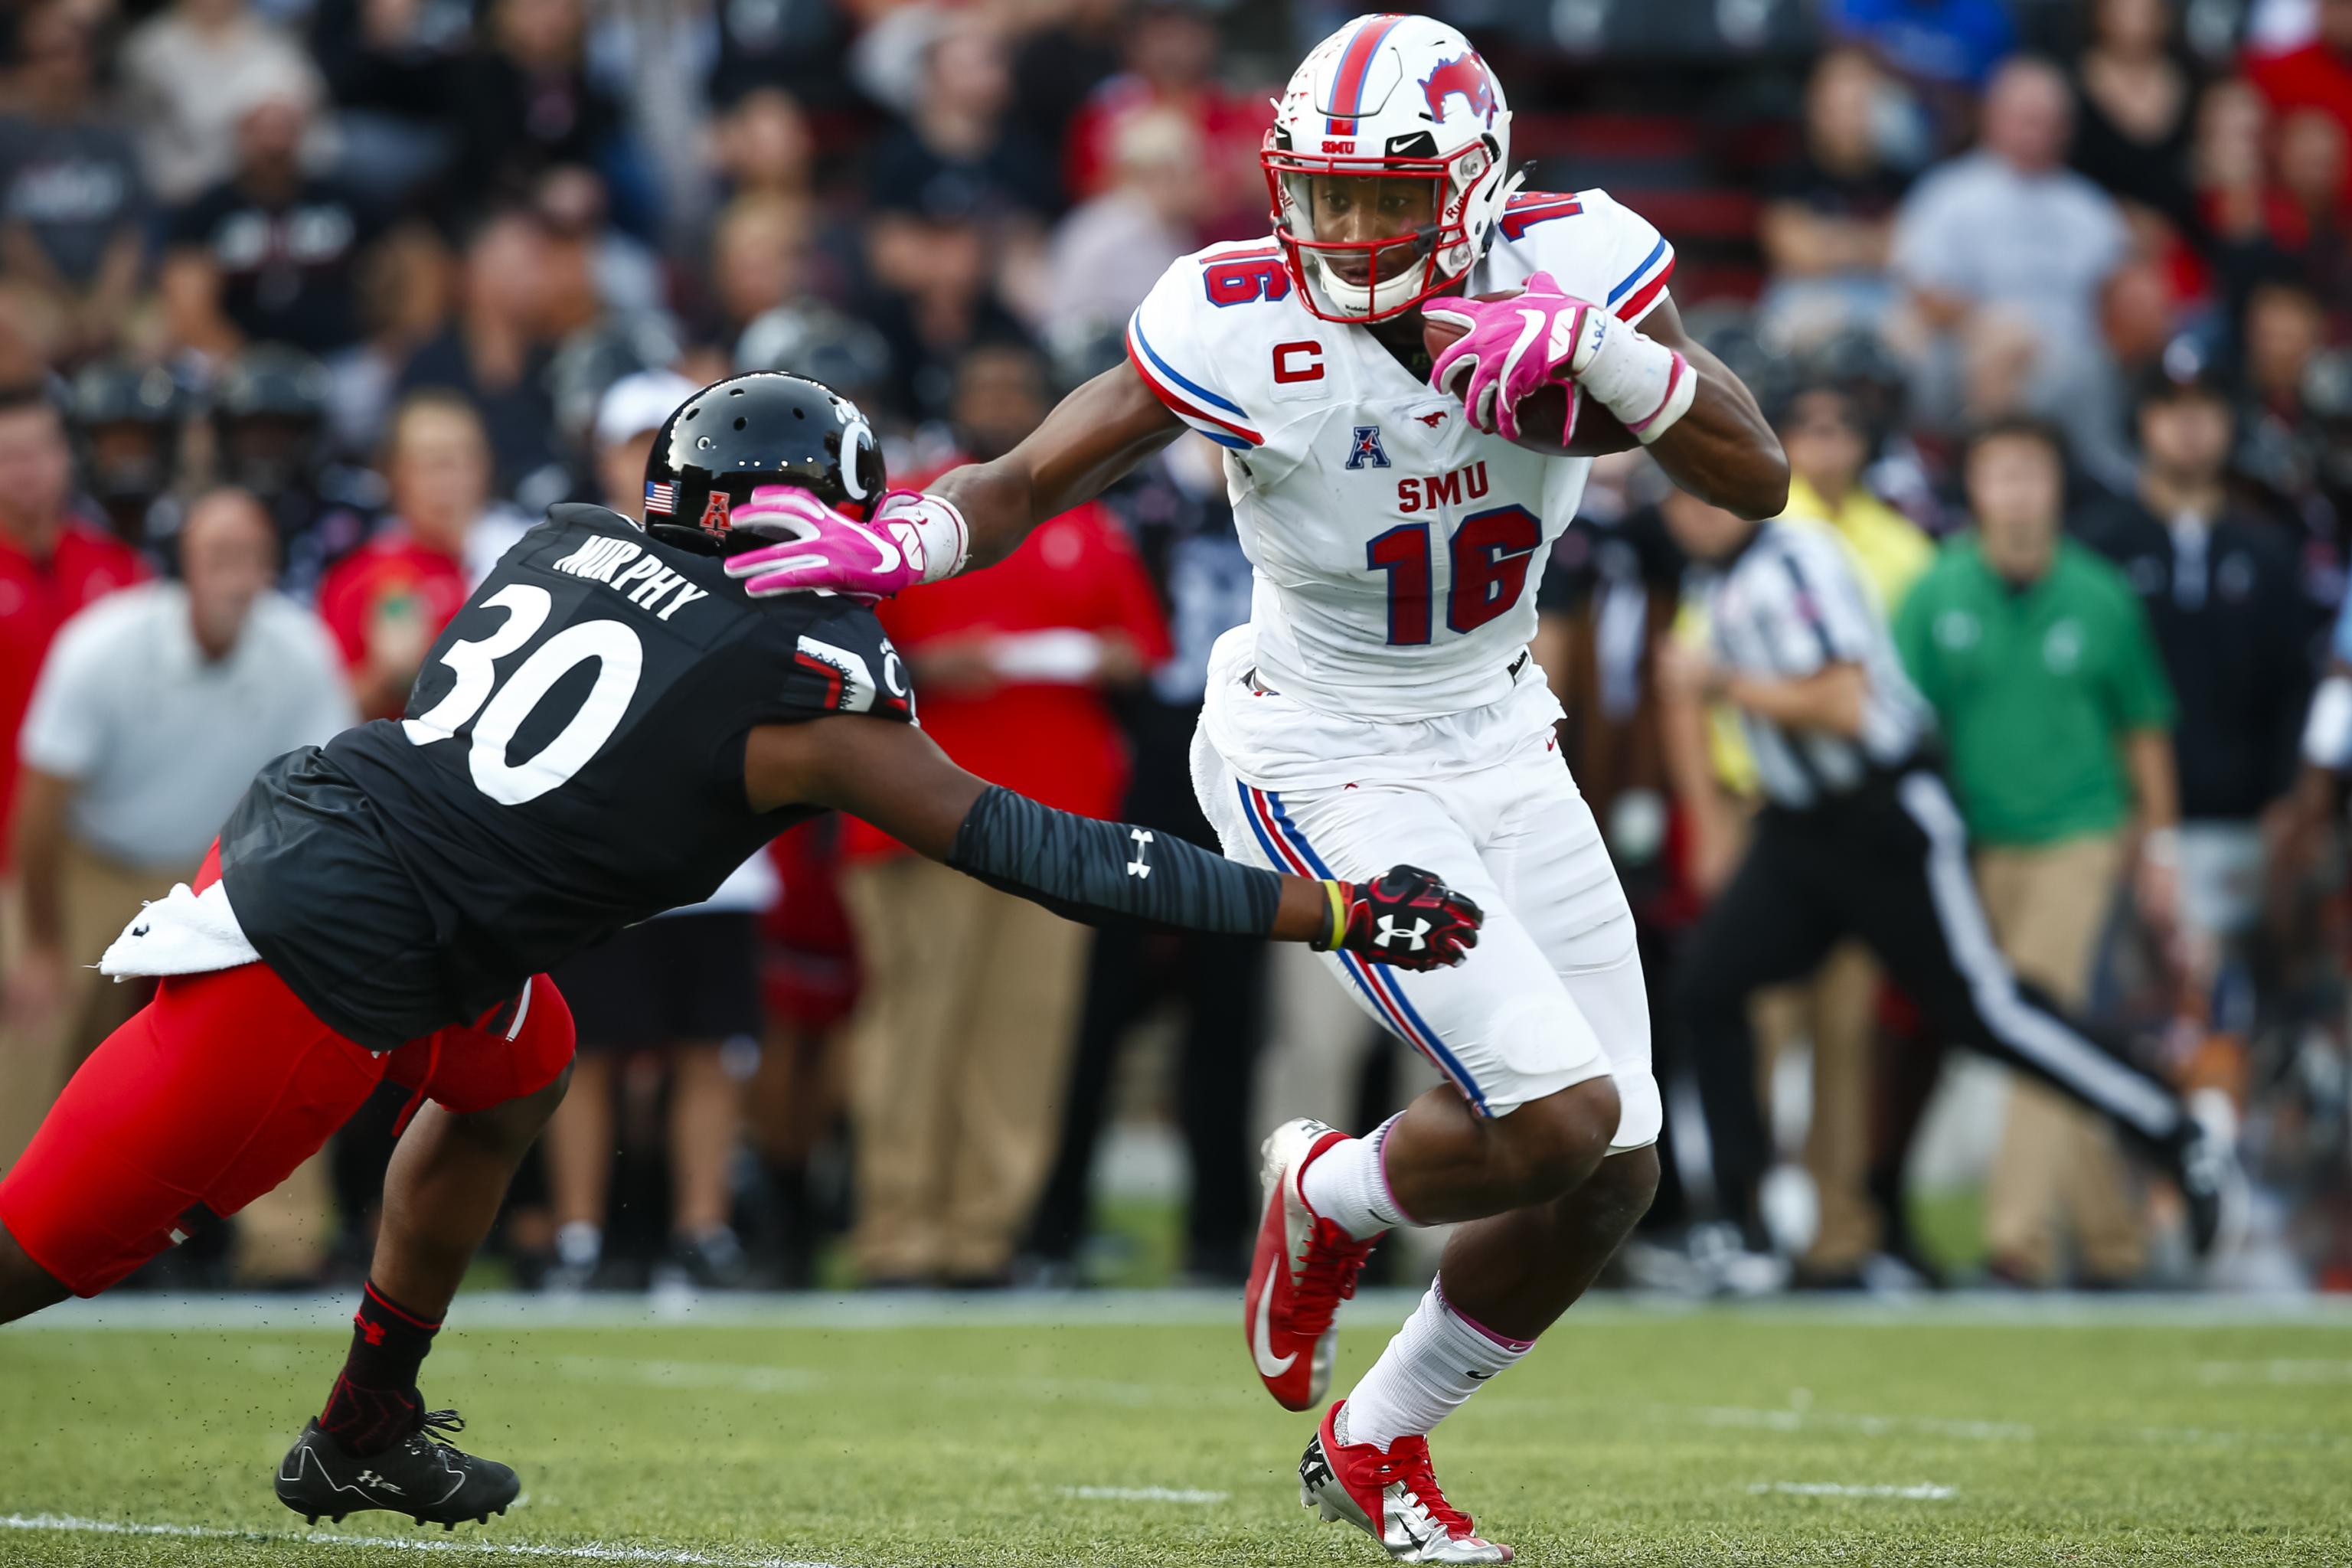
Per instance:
(422,1475)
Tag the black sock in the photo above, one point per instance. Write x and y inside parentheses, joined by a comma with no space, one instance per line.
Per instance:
(375,1403)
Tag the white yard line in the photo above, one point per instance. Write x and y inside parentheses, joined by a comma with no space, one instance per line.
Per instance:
(592,1552)
(1924,1493)
(1143,1494)
(1994,1431)
(2283,1370)
(1843,1421)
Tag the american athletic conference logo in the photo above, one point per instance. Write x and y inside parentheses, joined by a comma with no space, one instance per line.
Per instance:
(1367,449)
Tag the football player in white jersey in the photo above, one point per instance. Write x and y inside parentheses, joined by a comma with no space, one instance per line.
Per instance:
(1381,702)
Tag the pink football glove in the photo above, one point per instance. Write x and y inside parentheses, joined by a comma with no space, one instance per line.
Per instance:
(911,538)
(1511,348)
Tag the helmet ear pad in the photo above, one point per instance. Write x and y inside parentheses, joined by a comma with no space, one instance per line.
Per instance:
(735,436)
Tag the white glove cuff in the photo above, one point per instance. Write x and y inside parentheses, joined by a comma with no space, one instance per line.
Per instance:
(928,530)
(1647,385)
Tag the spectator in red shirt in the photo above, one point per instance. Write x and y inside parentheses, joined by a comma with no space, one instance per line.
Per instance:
(956,1082)
(51,562)
(2317,76)
(387,601)
(2309,210)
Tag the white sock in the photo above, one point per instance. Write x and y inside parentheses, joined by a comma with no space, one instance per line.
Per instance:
(1348,1185)
(579,1245)
(1436,1361)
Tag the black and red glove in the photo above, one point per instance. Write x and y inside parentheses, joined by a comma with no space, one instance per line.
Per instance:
(1405,917)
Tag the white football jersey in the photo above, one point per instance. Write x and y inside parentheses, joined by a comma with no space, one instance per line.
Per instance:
(1396,549)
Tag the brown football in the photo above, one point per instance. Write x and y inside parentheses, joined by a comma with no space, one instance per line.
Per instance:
(1543,415)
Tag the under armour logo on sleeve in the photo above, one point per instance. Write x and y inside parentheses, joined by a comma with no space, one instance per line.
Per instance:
(1136,868)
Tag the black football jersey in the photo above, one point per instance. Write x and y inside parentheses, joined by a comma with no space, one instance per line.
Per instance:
(570,762)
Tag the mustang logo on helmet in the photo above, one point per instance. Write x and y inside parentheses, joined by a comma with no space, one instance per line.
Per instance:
(1466,75)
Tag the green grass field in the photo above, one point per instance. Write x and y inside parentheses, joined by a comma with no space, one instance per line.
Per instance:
(889,1433)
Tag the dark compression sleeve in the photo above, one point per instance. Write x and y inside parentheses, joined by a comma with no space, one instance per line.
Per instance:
(1109,873)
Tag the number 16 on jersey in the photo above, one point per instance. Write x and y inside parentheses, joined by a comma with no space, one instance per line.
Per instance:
(1488,557)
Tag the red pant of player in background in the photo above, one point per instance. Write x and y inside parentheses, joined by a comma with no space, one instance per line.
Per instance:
(216,1090)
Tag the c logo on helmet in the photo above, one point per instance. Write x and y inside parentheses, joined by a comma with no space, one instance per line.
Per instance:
(714,515)
(855,441)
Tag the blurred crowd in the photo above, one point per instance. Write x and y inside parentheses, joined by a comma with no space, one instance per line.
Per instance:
(308,308)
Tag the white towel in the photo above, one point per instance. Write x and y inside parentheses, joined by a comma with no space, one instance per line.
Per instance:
(182,933)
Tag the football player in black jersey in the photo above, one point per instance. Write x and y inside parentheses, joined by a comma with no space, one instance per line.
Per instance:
(605,732)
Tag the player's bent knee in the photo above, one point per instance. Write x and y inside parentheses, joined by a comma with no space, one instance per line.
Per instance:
(1560,1140)
(515,1124)
(1625,1185)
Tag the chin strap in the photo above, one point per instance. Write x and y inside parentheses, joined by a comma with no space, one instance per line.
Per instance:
(1486,242)
(1510,188)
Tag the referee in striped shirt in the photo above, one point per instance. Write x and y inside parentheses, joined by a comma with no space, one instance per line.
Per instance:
(1860,838)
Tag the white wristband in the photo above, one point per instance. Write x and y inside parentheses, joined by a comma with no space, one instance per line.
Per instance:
(928,530)
(2327,731)
(1647,385)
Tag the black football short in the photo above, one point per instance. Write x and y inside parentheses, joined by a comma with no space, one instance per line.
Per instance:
(680,978)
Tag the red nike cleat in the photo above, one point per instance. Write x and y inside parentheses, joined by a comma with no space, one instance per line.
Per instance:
(1306,1266)
(1393,1498)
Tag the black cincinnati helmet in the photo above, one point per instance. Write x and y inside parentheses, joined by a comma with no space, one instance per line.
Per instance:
(815,340)
(271,381)
(269,419)
(120,392)
(125,420)
(766,428)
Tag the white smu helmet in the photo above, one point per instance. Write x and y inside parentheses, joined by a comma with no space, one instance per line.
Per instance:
(1389,97)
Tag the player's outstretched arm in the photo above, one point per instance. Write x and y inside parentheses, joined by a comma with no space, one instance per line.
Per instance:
(896,778)
(973,516)
(1091,440)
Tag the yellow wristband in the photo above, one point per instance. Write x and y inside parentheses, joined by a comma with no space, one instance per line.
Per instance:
(1339,916)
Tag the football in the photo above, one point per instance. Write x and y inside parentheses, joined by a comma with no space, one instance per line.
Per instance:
(1543,415)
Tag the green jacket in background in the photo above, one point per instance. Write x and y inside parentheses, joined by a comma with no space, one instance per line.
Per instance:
(2034,690)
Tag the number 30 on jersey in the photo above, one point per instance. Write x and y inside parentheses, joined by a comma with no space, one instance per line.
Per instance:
(501,709)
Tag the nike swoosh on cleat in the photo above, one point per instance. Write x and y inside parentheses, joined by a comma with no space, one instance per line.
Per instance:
(1262,1342)
(1420,1542)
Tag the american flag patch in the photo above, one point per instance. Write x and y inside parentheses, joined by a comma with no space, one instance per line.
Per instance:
(661,498)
